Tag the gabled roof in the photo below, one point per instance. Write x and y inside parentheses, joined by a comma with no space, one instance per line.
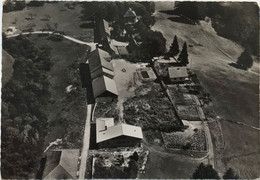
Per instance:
(61,164)
(102,84)
(178,72)
(129,13)
(100,72)
(99,58)
(106,130)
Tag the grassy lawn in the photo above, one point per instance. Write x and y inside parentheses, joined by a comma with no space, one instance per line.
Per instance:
(234,91)
(7,67)
(66,111)
(68,20)
(167,165)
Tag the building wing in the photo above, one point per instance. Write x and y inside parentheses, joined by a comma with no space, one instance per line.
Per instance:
(104,132)
(98,59)
(102,85)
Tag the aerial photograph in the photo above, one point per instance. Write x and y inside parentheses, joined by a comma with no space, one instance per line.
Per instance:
(130,90)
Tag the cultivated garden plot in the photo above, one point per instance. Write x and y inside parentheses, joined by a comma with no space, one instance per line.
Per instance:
(152,111)
(106,110)
(119,162)
(192,138)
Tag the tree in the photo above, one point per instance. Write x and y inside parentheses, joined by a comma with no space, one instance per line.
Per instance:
(245,61)
(8,6)
(174,49)
(205,172)
(183,57)
(153,44)
(230,174)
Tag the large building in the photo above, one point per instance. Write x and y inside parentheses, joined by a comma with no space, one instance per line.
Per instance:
(109,135)
(178,74)
(61,164)
(102,74)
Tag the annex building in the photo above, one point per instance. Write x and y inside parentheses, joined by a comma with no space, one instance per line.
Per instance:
(121,135)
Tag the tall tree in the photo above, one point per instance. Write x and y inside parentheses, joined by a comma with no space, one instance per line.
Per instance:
(153,44)
(174,49)
(205,172)
(183,57)
(230,174)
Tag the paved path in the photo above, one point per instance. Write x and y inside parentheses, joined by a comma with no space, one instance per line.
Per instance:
(92,45)
(86,140)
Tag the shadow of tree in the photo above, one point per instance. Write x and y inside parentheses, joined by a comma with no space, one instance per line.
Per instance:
(181,19)
(235,65)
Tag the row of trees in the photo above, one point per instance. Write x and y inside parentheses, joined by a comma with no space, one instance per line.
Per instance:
(24,97)
(208,172)
(174,51)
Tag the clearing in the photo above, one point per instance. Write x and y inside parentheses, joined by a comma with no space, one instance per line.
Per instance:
(50,15)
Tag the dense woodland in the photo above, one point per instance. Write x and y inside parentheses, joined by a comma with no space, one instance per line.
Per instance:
(24,123)
(238,21)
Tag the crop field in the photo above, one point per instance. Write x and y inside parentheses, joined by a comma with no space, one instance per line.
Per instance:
(152,111)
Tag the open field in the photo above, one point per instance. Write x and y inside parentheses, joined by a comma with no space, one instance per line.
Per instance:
(68,20)
(234,91)
(161,165)
(7,67)
(67,110)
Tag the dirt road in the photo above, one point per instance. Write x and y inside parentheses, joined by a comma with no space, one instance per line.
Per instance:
(92,45)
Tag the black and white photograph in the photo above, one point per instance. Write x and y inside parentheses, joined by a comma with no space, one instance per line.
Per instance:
(130,90)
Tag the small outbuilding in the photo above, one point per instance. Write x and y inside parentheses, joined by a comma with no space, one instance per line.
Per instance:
(178,74)
(109,135)
(130,16)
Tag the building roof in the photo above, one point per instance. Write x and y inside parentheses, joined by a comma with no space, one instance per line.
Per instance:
(178,72)
(106,27)
(100,72)
(102,84)
(98,59)
(129,13)
(61,164)
(122,50)
(112,46)
(105,130)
